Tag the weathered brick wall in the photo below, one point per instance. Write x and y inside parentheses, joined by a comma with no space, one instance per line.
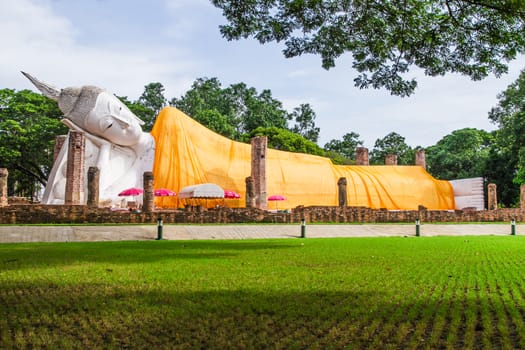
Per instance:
(75,168)
(361,156)
(93,186)
(3,187)
(258,164)
(421,159)
(391,159)
(77,214)
(148,202)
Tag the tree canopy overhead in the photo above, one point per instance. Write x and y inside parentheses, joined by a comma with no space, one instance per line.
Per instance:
(388,37)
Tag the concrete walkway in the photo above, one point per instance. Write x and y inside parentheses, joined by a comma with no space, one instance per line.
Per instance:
(31,233)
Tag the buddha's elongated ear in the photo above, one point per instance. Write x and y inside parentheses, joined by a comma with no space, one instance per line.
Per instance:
(123,118)
(119,119)
(46,89)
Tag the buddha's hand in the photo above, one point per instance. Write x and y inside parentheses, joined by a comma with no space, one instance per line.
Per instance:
(98,141)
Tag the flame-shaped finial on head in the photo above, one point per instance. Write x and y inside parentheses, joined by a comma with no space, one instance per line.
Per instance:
(46,89)
(74,102)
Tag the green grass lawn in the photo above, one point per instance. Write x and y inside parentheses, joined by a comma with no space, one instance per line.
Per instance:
(377,293)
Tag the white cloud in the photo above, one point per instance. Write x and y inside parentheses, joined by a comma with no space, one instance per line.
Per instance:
(27,24)
(123,48)
(43,43)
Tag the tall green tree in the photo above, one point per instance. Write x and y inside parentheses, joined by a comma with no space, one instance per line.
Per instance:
(387,38)
(501,169)
(304,117)
(510,102)
(254,110)
(29,123)
(285,140)
(345,147)
(393,143)
(153,100)
(208,103)
(238,109)
(462,154)
(506,164)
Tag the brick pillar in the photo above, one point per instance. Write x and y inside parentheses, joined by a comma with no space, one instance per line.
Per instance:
(492,197)
(250,193)
(421,159)
(522,196)
(341,186)
(259,148)
(93,187)
(59,142)
(148,199)
(391,159)
(361,156)
(3,187)
(75,168)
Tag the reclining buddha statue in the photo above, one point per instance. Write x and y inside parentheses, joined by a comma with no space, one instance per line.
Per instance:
(115,142)
(181,152)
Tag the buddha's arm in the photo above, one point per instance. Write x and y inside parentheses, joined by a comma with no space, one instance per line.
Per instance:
(98,141)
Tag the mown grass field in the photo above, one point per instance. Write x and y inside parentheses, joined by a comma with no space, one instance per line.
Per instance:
(355,293)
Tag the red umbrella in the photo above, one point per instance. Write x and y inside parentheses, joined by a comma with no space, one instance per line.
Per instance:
(164,192)
(231,194)
(133,191)
(275,198)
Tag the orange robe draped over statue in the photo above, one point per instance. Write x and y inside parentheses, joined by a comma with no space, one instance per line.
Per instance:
(187,153)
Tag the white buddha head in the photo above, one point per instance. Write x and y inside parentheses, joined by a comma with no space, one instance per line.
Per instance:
(96,111)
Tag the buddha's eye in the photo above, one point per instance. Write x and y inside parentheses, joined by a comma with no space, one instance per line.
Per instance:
(105,124)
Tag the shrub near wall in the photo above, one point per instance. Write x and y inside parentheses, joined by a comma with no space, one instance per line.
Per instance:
(80,214)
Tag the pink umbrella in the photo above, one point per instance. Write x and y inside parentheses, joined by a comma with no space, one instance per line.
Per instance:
(275,198)
(164,192)
(231,194)
(133,191)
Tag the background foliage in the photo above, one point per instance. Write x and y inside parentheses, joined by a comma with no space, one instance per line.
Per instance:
(29,123)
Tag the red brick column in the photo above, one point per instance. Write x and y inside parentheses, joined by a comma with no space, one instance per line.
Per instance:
(259,149)
(341,187)
(391,159)
(93,187)
(3,187)
(522,196)
(250,193)
(492,197)
(148,199)
(421,159)
(75,168)
(361,156)
(59,142)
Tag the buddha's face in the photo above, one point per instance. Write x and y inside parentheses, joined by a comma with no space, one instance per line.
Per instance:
(113,121)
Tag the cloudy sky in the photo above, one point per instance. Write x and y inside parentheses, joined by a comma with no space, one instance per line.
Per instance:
(124,45)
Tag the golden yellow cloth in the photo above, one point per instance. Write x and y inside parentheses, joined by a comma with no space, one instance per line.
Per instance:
(187,153)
